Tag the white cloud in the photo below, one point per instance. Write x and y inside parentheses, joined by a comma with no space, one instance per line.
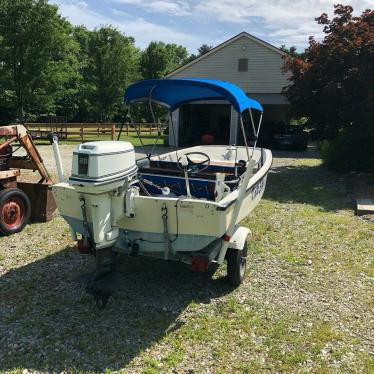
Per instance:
(175,8)
(82,4)
(142,30)
(271,11)
(289,22)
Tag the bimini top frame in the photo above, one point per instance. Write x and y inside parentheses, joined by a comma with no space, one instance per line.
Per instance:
(173,93)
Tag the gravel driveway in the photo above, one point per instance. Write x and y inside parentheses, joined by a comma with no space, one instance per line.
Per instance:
(306,304)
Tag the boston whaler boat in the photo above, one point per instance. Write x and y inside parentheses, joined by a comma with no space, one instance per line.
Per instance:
(183,205)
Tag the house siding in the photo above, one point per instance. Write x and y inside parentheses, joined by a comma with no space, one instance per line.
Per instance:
(264,67)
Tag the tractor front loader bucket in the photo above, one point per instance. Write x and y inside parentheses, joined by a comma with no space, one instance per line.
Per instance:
(21,202)
(42,202)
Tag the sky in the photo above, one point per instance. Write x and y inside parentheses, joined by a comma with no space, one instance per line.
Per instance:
(192,23)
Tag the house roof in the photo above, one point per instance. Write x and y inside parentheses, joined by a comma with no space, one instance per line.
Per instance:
(223,45)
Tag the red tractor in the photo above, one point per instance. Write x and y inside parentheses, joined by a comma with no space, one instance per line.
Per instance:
(22,201)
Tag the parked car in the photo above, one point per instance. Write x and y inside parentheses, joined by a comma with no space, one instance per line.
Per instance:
(292,137)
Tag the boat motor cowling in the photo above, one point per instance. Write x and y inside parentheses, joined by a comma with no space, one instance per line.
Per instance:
(103,174)
(106,164)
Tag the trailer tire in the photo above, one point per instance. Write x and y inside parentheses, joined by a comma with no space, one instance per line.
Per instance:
(15,210)
(236,265)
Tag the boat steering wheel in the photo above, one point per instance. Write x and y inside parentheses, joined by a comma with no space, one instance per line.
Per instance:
(193,166)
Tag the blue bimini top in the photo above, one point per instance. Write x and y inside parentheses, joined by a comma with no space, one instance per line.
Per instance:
(175,92)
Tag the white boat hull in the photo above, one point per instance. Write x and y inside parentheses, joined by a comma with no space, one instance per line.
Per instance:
(192,223)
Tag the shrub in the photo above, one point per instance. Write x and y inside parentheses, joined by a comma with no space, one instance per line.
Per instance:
(351,150)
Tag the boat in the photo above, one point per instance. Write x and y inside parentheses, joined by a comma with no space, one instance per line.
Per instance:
(182,205)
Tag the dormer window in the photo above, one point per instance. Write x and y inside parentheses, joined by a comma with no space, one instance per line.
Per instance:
(242,64)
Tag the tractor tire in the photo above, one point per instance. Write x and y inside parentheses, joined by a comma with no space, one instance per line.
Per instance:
(15,210)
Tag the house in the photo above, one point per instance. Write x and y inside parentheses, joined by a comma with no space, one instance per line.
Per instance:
(250,63)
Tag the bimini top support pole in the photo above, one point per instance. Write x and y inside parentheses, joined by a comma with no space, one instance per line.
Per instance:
(256,133)
(154,120)
(123,123)
(242,191)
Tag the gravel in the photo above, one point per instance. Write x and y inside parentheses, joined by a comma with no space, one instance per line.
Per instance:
(306,304)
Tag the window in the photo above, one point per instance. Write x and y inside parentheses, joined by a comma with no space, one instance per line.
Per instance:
(243,64)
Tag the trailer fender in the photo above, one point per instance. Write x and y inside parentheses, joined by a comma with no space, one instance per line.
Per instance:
(239,237)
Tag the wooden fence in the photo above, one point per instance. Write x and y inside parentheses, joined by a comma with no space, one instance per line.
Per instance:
(81,132)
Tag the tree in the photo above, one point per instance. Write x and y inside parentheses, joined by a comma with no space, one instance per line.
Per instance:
(112,64)
(177,56)
(159,59)
(79,99)
(204,48)
(333,82)
(37,56)
(291,51)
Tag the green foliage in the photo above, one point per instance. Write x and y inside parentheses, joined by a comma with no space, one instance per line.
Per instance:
(75,105)
(333,86)
(38,57)
(111,65)
(50,68)
(333,81)
(204,48)
(351,149)
(159,59)
(291,51)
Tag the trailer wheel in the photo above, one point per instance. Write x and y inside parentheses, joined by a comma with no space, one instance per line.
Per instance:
(15,210)
(236,265)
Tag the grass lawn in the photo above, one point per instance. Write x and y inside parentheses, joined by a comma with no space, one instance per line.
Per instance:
(306,304)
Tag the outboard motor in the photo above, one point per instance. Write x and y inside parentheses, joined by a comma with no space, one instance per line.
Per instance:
(104,165)
(99,191)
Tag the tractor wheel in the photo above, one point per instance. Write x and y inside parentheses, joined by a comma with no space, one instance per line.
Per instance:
(236,265)
(15,210)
